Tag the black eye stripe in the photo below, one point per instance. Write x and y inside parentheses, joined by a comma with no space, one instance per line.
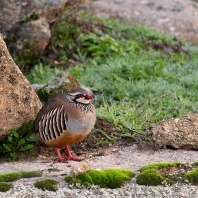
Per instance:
(80,96)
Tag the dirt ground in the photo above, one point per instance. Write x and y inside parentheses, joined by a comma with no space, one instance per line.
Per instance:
(123,153)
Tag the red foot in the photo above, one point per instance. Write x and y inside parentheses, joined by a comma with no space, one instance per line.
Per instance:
(69,156)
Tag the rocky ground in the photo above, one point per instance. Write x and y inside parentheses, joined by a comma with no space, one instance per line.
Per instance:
(130,157)
(178,18)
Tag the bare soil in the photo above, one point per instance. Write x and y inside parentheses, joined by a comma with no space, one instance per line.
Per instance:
(123,153)
(89,146)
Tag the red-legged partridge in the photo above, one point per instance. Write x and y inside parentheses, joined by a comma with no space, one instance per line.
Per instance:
(64,120)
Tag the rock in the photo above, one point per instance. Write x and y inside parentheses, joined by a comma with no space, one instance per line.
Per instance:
(178,18)
(48,8)
(30,19)
(61,83)
(15,11)
(37,87)
(179,132)
(12,12)
(18,101)
(80,169)
(33,37)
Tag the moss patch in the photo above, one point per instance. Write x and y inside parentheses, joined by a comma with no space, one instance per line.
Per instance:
(195,164)
(4,186)
(157,173)
(150,178)
(53,170)
(111,178)
(10,177)
(29,174)
(61,83)
(47,184)
(191,177)
(160,165)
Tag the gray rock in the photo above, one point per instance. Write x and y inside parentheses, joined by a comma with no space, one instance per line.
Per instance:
(18,101)
(178,18)
(33,36)
(14,11)
(179,132)
(41,5)
(59,84)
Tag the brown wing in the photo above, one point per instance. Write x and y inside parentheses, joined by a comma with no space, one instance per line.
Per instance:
(51,121)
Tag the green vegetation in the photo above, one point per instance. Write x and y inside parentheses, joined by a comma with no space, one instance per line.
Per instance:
(150,178)
(4,186)
(111,178)
(47,184)
(143,75)
(150,175)
(10,177)
(192,177)
(53,170)
(61,83)
(20,140)
(29,174)
(41,74)
(159,165)
(195,164)
(140,84)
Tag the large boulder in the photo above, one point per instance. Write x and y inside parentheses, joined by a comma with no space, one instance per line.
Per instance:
(33,36)
(177,133)
(178,18)
(14,11)
(18,101)
(26,24)
(61,83)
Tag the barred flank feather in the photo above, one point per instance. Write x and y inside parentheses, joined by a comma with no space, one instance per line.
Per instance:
(52,124)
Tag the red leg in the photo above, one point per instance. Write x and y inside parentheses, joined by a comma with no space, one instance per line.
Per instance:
(69,156)
(60,158)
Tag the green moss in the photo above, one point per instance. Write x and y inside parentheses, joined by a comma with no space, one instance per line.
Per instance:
(29,174)
(10,177)
(117,177)
(195,164)
(159,165)
(29,17)
(84,179)
(53,170)
(26,128)
(4,186)
(42,94)
(47,184)
(99,178)
(112,178)
(192,177)
(61,83)
(150,178)
(68,179)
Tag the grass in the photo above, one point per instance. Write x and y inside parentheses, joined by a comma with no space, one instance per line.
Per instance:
(142,85)
(143,75)
(143,89)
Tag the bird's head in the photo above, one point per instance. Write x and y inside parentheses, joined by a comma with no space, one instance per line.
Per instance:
(81,95)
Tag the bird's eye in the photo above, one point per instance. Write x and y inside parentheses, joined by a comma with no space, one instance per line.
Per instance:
(80,96)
